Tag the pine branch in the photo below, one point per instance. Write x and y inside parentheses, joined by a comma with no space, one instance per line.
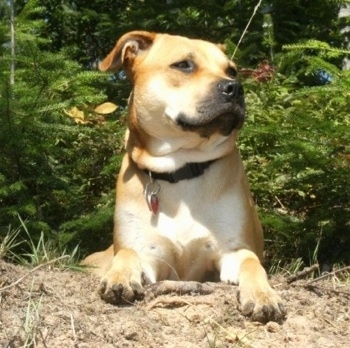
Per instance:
(316,45)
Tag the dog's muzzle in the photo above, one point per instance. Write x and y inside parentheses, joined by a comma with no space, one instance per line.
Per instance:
(231,89)
(222,111)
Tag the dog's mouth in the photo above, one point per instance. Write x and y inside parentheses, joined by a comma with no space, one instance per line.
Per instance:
(220,112)
(222,118)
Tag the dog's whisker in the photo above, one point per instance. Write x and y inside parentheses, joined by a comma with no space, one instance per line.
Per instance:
(173,269)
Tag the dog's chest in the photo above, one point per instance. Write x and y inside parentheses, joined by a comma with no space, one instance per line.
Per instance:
(182,227)
(209,209)
(196,213)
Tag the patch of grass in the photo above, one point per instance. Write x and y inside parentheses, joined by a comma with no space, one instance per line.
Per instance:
(296,265)
(340,274)
(38,252)
(9,242)
(223,336)
(32,323)
(224,331)
(281,267)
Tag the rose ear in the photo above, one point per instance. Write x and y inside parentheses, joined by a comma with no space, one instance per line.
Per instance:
(126,50)
(222,47)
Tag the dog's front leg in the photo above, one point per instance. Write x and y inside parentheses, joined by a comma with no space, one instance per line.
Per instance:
(257,299)
(122,283)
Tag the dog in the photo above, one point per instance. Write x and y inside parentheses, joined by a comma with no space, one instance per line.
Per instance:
(184,209)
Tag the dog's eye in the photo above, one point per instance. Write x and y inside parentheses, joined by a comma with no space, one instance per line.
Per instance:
(185,66)
(231,72)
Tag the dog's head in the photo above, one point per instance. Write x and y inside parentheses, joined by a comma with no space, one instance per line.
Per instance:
(180,84)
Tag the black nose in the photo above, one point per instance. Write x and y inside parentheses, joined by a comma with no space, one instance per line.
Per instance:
(230,88)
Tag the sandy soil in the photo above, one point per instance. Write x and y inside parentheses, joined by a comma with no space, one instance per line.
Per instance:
(53,308)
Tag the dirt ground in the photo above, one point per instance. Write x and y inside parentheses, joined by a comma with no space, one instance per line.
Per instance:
(47,307)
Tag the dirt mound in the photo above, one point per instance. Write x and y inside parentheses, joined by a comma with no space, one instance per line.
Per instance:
(52,308)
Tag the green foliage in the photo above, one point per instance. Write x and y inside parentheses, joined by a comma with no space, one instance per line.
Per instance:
(8,242)
(52,171)
(42,251)
(59,176)
(303,20)
(312,62)
(297,154)
(100,23)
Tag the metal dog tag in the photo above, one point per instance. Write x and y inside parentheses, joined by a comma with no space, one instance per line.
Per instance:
(151,190)
(153,203)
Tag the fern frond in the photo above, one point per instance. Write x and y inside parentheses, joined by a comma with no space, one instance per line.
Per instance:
(320,46)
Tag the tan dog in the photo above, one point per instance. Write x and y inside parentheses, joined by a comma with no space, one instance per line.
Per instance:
(184,208)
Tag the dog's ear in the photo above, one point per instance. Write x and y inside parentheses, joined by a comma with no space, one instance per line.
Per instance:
(222,47)
(126,49)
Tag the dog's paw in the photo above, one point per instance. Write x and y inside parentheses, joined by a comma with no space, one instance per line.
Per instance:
(262,305)
(120,292)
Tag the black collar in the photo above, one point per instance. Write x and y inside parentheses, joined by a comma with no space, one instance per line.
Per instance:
(188,171)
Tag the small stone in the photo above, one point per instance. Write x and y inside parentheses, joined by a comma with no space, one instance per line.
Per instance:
(131,336)
(271,326)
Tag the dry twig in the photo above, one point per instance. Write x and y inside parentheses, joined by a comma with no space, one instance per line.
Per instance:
(302,274)
(178,287)
(330,274)
(177,301)
(32,271)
